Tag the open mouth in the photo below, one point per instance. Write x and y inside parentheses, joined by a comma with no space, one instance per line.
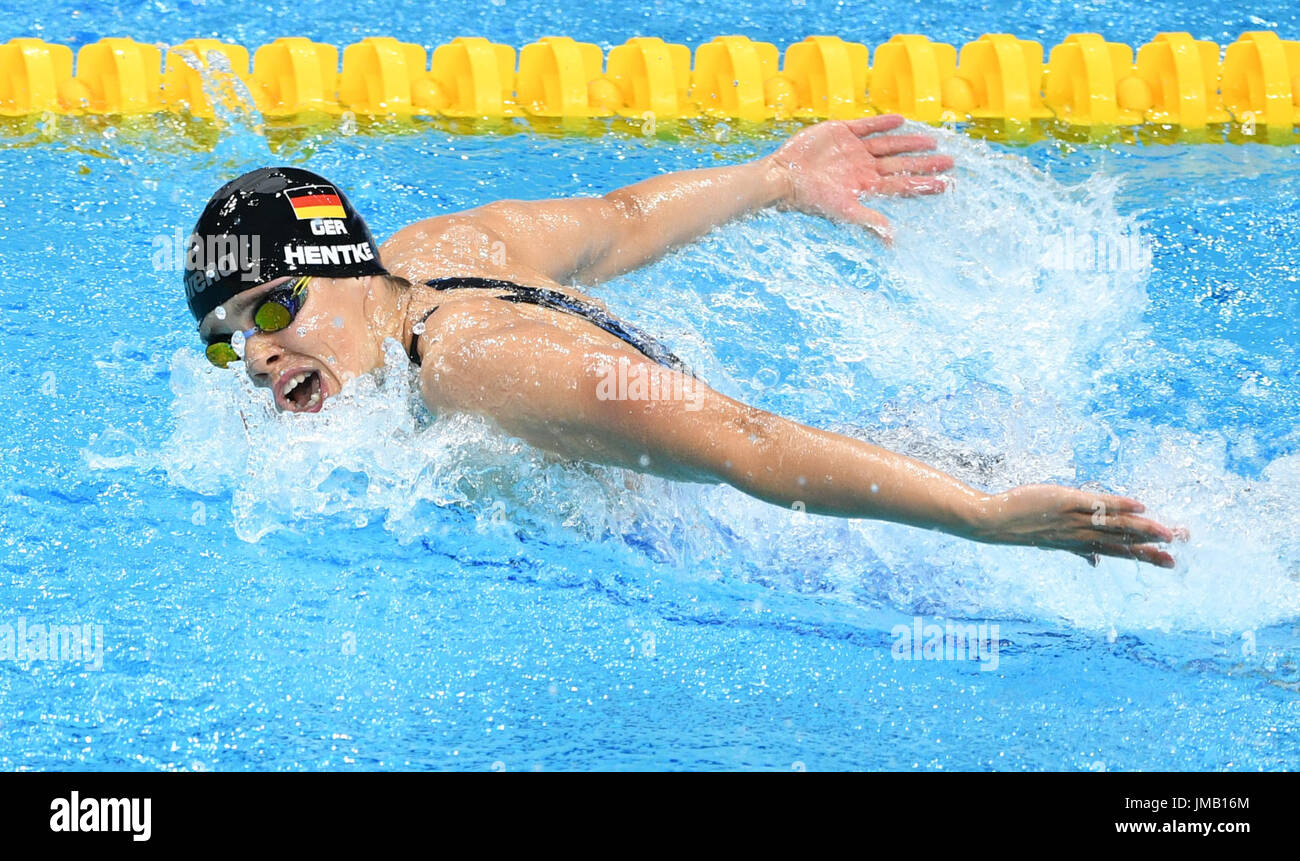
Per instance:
(303,392)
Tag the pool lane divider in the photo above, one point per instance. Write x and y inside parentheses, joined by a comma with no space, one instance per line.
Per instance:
(1175,80)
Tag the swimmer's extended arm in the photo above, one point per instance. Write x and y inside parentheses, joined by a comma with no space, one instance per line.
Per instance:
(822,170)
(555,401)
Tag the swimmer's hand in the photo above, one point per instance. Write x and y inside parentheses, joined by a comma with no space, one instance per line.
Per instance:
(1084,523)
(827,166)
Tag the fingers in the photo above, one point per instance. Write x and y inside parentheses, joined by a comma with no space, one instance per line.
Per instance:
(1131,527)
(1118,515)
(1112,526)
(895,144)
(1109,504)
(914,164)
(1142,552)
(871,125)
(911,186)
(869,218)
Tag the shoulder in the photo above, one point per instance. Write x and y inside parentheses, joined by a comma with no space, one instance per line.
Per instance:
(478,353)
(473,238)
(453,246)
(428,248)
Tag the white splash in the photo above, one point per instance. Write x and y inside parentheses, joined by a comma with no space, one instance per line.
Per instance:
(372,452)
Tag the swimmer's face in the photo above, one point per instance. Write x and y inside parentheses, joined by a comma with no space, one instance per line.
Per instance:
(332,339)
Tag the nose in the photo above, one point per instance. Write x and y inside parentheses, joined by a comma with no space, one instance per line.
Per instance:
(260,355)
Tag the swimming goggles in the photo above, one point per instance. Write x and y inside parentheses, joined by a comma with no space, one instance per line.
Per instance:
(276,312)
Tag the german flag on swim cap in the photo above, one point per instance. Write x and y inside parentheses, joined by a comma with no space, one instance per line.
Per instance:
(272,222)
(315,201)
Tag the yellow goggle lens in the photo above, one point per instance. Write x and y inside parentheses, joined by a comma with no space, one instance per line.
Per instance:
(221,354)
(272,317)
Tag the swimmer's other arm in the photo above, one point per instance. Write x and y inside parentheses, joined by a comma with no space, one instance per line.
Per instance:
(822,170)
(554,401)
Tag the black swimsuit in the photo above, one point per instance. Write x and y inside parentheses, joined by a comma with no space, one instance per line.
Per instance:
(555,300)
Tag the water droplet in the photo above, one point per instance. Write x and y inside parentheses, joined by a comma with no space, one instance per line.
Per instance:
(417,329)
(220,312)
(644,460)
(302,331)
(338,322)
(875,488)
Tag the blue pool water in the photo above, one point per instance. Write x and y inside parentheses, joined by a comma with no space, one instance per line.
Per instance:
(373,587)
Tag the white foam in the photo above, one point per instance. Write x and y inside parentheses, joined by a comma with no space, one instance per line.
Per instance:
(372,452)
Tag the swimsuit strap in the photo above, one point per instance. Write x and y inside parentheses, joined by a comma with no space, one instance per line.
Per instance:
(412,350)
(451,284)
(472,282)
(555,300)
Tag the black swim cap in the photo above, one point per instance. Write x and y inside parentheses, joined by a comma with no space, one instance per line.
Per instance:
(272,222)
